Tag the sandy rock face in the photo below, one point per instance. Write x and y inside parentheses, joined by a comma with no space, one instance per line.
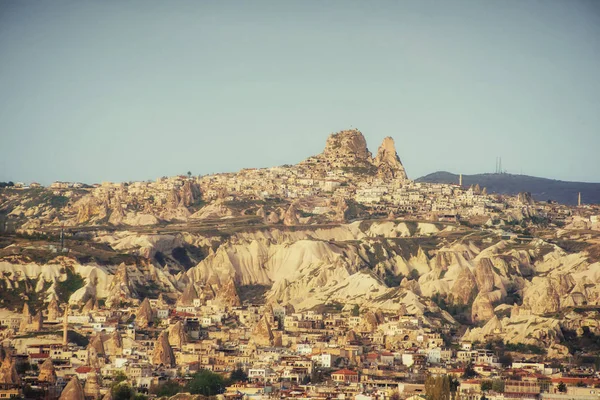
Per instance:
(73,390)
(464,286)
(47,372)
(54,312)
(144,314)
(114,344)
(482,309)
(291,217)
(177,335)
(228,294)
(347,144)
(262,334)
(163,353)
(120,287)
(541,297)
(387,161)
(8,372)
(91,389)
(188,296)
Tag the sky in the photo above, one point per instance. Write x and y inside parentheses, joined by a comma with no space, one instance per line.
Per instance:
(110,90)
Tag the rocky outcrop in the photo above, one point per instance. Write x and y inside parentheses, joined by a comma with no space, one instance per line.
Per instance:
(177,335)
(47,372)
(31,323)
(482,309)
(91,390)
(188,296)
(73,390)
(113,346)
(95,351)
(120,289)
(291,216)
(8,372)
(144,314)
(262,335)
(370,321)
(348,145)
(387,161)
(228,294)
(541,297)
(54,312)
(163,353)
(90,305)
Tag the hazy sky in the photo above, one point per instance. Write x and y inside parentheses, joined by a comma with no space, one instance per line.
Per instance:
(132,90)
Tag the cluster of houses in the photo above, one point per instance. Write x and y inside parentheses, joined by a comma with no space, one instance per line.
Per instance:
(310,354)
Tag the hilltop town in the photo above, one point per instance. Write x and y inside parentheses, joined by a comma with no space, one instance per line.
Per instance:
(335,278)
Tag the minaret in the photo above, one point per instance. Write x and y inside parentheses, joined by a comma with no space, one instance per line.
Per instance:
(65,325)
(460,180)
(579,200)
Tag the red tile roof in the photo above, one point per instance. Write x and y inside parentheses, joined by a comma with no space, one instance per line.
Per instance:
(344,372)
(39,355)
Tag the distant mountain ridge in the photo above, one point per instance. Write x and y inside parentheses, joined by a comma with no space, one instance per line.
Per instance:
(541,189)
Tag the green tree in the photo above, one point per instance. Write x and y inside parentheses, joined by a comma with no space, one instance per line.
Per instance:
(469,372)
(166,389)
(119,377)
(123,391)
(562,387)
(486,385)
(238,375)
(356,310)
(498,385)
(206,383)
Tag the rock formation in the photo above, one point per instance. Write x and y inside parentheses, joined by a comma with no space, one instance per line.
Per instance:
(144,314)
(47,372)
(177,335)
(349,145)
(291,217)
(228,294)
(54,312)
(73,390)
(90,305)
(8,372)
(262,335)
(114,344)
(387,161)
(91,390)
(120,289)
(95,351)
(163,353)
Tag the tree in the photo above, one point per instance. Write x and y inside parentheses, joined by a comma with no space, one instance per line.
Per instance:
(206,383)
(506,360)
(469,372)
(562,387)
(168,389)
(356,310)
(238,375)
(119,377)
(123,391)
(438,387)
(189,174)
(486,386)
(498,385)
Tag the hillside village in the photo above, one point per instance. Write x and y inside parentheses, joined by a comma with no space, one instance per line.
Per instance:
(336,278)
